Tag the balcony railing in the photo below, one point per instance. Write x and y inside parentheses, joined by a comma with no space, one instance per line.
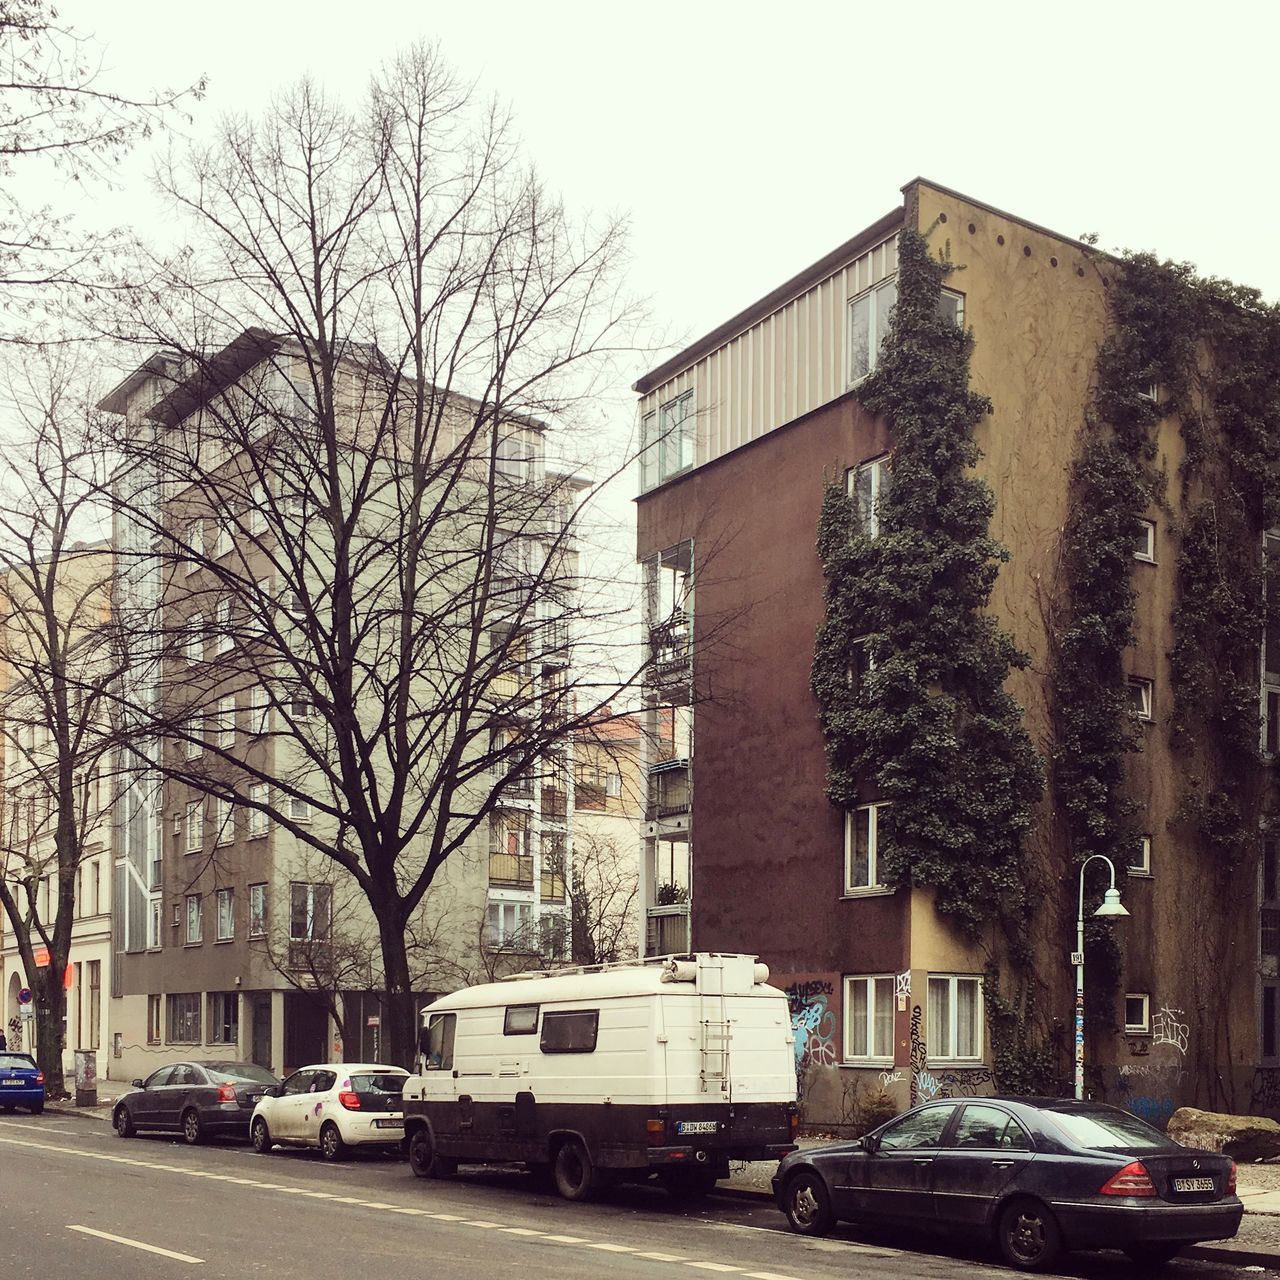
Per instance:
(667,930)
(668,791)
(669,647)
(553,886)
(310,956)
(511,870)
(554,804)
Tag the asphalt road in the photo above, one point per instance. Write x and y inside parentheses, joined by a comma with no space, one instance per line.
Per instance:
(77,1202)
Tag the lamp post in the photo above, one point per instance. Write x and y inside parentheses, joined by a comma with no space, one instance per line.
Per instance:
(1111,908)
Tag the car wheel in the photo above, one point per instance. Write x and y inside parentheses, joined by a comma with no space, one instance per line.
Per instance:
(1029,1236)
(688,1184)
(1153,1255)
(575,1174)
(123,1122)
(332,1146)
(260,1136)
(424,1160)
(192,1129)
(807,1204)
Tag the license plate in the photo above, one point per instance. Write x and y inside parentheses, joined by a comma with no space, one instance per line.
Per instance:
(697,1126)
(17,1083)
(251,1098)
(388,1124)
(1193,1184)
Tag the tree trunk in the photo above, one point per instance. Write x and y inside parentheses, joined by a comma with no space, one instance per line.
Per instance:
(51,1005)
(399,1035)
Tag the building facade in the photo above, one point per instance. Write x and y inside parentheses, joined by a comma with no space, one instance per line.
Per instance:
(744,851)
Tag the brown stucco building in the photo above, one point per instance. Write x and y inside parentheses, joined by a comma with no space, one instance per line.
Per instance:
(742,431)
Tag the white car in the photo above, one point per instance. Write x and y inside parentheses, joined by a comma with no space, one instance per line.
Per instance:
(333,1106)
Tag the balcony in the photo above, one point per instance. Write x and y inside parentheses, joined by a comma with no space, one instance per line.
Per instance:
(314,955)
(553,638)
(667,930)
(552,885)
(670,649)
(510,870)
(669,790)
(555,804)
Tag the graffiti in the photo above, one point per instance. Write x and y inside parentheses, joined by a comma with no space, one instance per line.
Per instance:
(813,1026)
(964,1083)
(1265,1090)
(1139,1048)
(902,984)
(800,993)
(1151,1109)
(15,1034)
(919,1056)
(1169,1072)
(1167,1029)
(890,1077)
(926,1087)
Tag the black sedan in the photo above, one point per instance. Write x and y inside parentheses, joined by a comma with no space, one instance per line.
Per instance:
(1039,1174)
(196,1099)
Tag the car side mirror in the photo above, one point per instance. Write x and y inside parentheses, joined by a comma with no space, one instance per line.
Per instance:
(274,1092)
(137,1084)
(871,1144)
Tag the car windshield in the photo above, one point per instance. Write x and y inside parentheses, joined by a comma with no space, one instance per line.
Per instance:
(1106,1129)
(19,1060)
(380,1082)
(220,1072)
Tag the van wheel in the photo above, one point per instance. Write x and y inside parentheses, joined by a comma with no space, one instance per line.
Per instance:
(575,1174)
(423,1159)
(689,1184)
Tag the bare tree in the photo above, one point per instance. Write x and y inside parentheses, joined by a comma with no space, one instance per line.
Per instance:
(365,542)
(62,658)
(602,900)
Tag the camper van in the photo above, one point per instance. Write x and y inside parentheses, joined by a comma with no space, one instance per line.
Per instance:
(668,1068)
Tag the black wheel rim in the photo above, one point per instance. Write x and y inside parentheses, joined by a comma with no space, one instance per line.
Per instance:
(260,1135)
(192,1128)
(1027,1236)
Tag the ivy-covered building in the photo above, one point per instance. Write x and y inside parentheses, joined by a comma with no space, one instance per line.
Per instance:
(955,560)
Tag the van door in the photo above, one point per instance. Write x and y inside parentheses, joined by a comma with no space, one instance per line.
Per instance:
(440,1085)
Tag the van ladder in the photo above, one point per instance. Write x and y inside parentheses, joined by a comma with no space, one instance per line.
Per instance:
(717,1032)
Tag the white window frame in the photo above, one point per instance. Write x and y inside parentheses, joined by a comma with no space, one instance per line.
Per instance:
(224,641)
(258,910)
(256,515)
(225,904)
(259,822)
(193,825)
(1142,867)
(299,809)
(221,539)
(1142,1028)
(155,919)
(194,638)
(953,1017)
(224,820)
(259,711)
(1144,704)
(875,302)
(1146,548)
(677,430)
(1150,392)
(194,912)
(874,885)
(226,733)
(869,981)
(877,469)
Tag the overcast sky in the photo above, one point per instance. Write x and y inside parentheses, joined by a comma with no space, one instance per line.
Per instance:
(745,140)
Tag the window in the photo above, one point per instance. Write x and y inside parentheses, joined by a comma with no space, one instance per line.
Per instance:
(153,924)
(862,663)
(667,440)
(1141,864)
(951,307)
(256,516)
(520,1020)
(298,704)
(221,540)
(195,826)
(224,1017)
(1145,546)
(257,910)
(570,1032)
(866,485)
(224,822)
(291,602)
(438,1049)
(613,785)
(194,541)
(1269,909)
(225,730)
(985,1128)
(192,744)
(259,711)
(226,903)
(868,327)
(195,638)
(183,1017)
(258,820)
(506,924)
(553,936)
(224,640)
(861,841)
(195,920)
(1137,1014)
(153,1019)
(309,906)
(299,809)
(868,1018)
(1140,697)
(1270,1037)
(1150,392)
(955,1018)
(919,1130)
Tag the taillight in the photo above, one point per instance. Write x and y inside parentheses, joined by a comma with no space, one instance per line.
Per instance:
(39,1077)
(226,1093)
(1231,1180)
(795,1123)
(1132,1180)
(349,1100)
(657,1131)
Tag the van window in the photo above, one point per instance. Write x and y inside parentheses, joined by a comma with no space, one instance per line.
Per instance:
(440,1041)
(521,1020)
(569,1032)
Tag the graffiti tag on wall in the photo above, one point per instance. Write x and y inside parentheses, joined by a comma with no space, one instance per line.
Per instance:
(813,1026)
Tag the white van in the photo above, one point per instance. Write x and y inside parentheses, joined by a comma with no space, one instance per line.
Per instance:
(673,1066)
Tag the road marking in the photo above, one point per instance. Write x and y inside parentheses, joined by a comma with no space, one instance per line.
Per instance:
(567,1239)
(135,1244)
(712,1266)
(522,1231)
(664,1257)
(606,1247)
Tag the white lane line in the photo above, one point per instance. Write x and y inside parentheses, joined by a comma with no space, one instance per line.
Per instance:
(664,1257)
(607,1247)
(712,1266)
(522,1231)
(48,1128)
(566,1239)
(134,1244)
(767,1275)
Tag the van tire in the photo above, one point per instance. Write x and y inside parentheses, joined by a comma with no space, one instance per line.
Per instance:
(575,1174)
(424,1159)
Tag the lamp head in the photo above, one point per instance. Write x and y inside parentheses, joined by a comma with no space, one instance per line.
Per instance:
(1111,905)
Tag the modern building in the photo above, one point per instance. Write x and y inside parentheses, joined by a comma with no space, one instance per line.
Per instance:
(743,849)
(234,937)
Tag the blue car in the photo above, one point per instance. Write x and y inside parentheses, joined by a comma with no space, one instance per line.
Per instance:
(21,1083)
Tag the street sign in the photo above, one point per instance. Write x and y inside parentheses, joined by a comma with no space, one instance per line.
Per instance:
(42,957)
(374,1020)
(24,996)
(26,1012)
(1077,957)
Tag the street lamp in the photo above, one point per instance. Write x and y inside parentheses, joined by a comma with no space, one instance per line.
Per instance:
(1111,908)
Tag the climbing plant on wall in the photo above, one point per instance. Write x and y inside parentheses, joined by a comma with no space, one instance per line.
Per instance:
(909,669)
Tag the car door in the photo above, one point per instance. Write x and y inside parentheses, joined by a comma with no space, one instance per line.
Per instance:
(319,1091)
(171,1094)
(986,1149)
(285,1119)
(143,1106)
(898,1171)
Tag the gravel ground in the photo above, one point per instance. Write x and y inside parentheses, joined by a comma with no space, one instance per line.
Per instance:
(1265,1175)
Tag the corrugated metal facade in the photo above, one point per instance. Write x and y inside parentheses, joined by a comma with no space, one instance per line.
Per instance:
(781,367)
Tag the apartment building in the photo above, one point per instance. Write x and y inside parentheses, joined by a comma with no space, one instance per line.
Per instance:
(743,850)
(235,934)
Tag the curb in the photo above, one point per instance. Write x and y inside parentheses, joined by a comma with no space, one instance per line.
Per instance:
(88,1113)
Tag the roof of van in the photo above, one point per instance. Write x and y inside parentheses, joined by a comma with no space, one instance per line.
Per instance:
(629,981)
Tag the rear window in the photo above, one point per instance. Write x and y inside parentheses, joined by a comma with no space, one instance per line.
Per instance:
(1106,1129)
(18,1060)
(570,1032)
(225,1072)
(379,1082)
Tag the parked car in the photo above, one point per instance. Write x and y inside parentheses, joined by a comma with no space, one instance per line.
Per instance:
(197,1099)
(1041,1175)
(21,1083)
(333,1106)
